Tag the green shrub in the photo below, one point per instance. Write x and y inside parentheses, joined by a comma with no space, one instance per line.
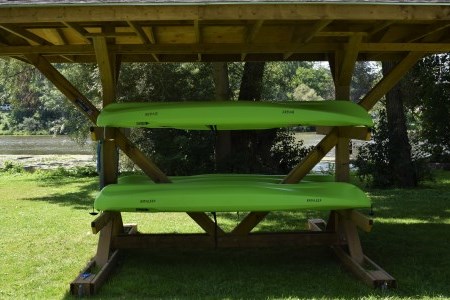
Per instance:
(373,162)
(12,167)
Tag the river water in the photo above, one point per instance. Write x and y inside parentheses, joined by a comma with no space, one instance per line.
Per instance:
(42,145)
(45,152)
(61,151)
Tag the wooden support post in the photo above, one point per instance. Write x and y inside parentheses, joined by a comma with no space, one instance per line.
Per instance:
(113,228)
(342,70)
(352,257)
(109,156)
(89,281)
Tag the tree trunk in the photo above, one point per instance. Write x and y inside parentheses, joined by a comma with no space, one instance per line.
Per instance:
(399,148)
(251,148)
(222,145)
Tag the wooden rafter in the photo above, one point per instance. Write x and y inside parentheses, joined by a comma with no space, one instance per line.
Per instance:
(224,49)
(198,36)
(250,36)
(143,36)
(382,25)
(140,33)
(25,34)
(82,33)
(304,39)
(427,31)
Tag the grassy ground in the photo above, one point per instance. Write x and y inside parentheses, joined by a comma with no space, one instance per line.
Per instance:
(45,240)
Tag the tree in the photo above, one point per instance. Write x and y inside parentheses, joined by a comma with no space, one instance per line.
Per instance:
(389,159)
(315,77)
(400,161)
(365,75)
(304,93)
(430,105)
(222,147)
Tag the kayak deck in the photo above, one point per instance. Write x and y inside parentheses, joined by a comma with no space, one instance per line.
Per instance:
(233,115)
(228,193)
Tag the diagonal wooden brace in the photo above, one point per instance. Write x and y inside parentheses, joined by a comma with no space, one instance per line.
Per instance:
(91,112)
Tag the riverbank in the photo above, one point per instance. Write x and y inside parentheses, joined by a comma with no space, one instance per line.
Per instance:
(49,161)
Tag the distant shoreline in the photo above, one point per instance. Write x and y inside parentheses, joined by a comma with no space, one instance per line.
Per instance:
(49,161)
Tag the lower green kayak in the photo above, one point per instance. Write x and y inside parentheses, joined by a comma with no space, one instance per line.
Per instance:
(233,115)
(228,193)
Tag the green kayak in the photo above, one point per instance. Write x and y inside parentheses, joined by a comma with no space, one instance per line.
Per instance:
(233,115)
(228,193)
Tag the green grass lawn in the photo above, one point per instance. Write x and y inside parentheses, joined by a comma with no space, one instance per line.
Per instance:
(45,240)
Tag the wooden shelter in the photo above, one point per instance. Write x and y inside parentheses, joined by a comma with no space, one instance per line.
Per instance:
(110,33)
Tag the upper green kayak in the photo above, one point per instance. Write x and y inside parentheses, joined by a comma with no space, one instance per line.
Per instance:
(227,193)
(233,115)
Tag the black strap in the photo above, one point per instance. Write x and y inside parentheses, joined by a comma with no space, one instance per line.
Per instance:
(215,229)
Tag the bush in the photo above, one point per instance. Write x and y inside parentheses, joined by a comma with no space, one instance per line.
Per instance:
(12,167)
(373,162)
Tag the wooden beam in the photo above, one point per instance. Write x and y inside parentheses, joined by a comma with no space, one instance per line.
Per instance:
(25,34)
(313,157)
(317,27)
(196,241)
(301,40)
(62,37)
(107,70)
(62,84)
(427,31)
(226,49)
(342,65)
(111,229)
(349,60)
(139,158)
(100,222)
(252,31)
(379,27)
(360,220)
(206,223)
(139,32)
(390,80)
(143,36)
(373,276)
(273,11)
(113,34)
(90,111)
(92,277)
(82,33)
(198,36)
(249,222)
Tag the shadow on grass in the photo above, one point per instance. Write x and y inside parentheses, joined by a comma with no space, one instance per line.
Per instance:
(415,254)
(80,199)
(231,274)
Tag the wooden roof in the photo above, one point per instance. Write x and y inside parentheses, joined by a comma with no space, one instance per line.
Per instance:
(166,31)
